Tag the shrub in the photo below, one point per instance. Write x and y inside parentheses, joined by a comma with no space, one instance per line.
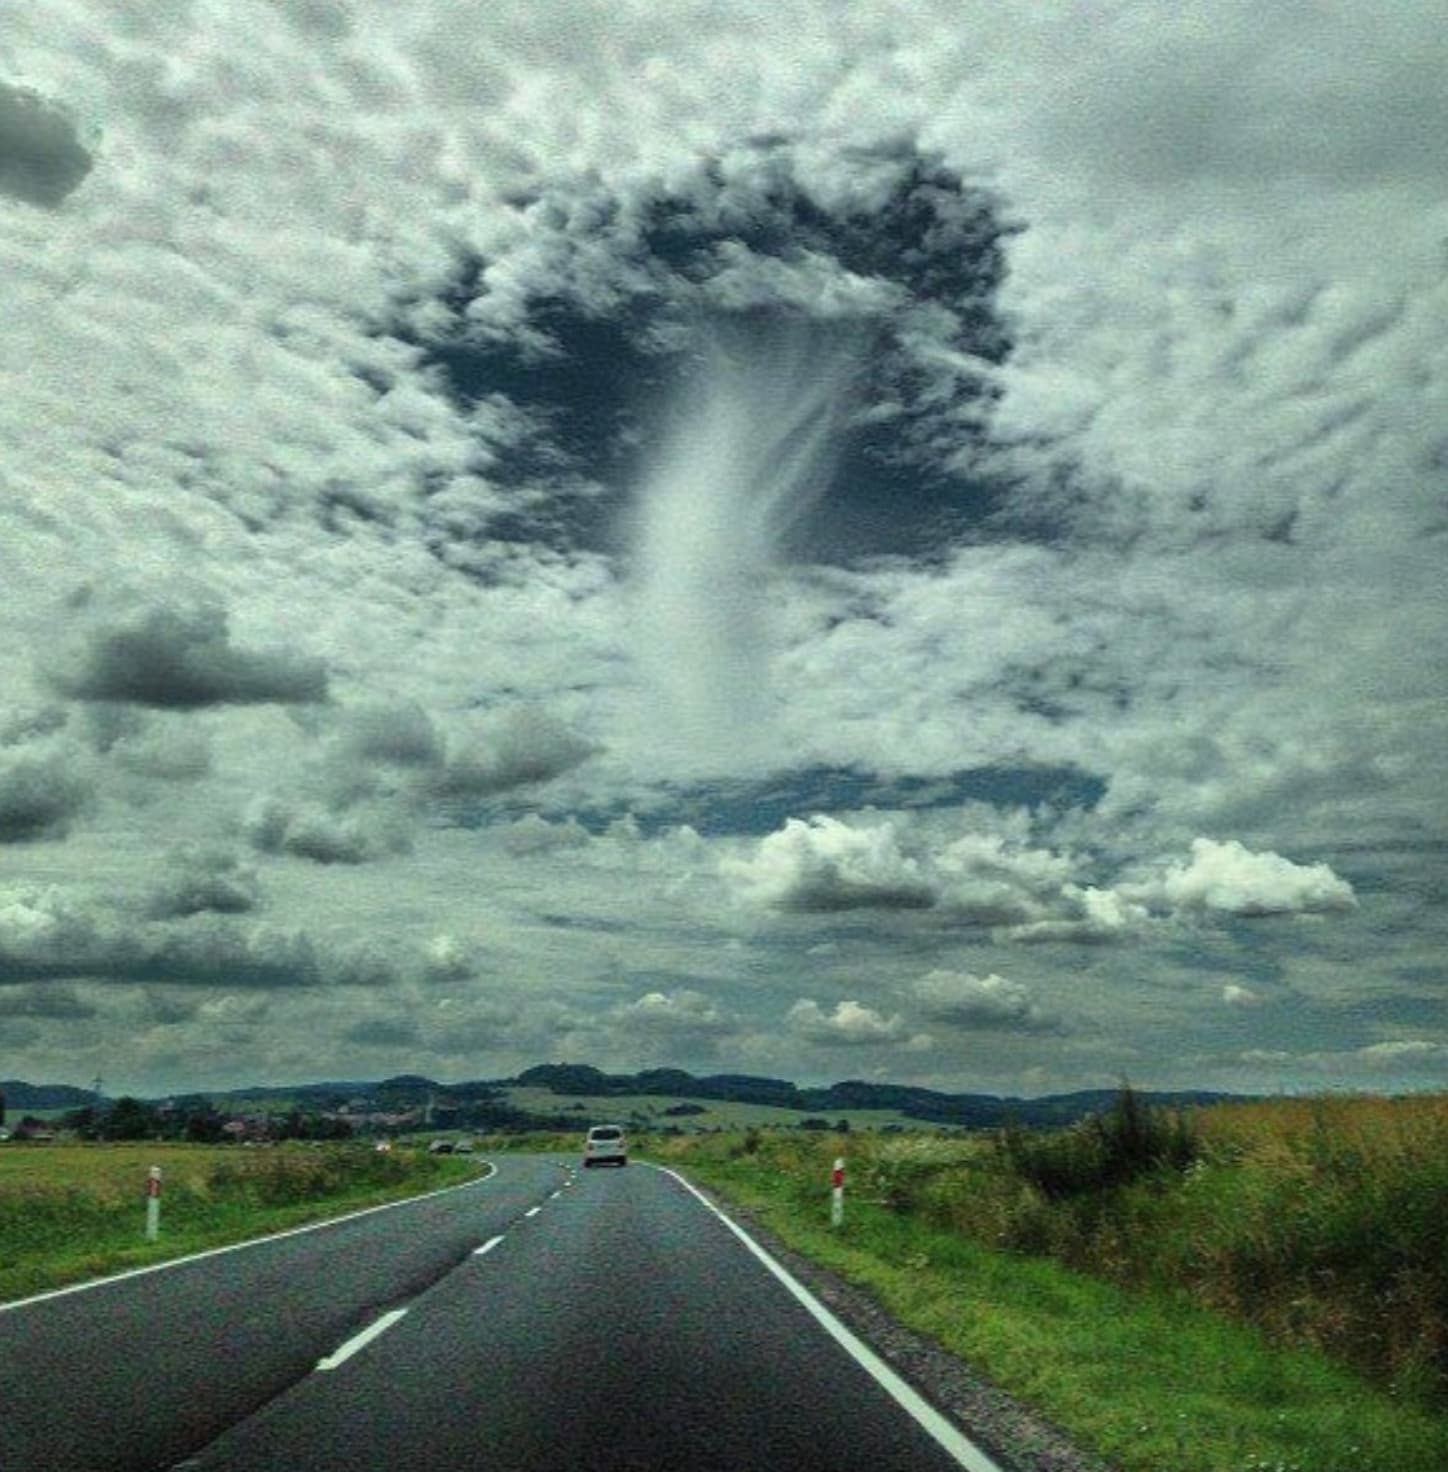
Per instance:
(1103,1152)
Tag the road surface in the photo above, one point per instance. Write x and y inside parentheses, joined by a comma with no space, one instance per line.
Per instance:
(545,1318)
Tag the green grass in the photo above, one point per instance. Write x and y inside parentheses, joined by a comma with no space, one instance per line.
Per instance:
(726,1114)
(1143,1377)
(73,1212)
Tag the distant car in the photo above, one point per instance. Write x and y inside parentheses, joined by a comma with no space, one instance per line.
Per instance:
(605,1146)
(440,1147)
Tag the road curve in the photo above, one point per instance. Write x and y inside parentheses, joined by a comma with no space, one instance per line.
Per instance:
(140,1371)
(597,1321)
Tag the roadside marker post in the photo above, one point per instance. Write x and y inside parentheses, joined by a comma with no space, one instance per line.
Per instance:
(837,1194)
(153,1203)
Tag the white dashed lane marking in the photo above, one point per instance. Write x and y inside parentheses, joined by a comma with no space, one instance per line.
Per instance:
(360,1341)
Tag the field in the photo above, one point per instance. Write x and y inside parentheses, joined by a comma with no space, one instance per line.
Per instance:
(722,1114)
(70,1212)
(1255,1287)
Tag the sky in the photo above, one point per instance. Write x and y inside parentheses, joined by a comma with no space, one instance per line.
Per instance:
(899,541)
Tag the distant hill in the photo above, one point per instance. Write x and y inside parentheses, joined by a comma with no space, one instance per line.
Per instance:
(978,1111)
(483,1103)
(22,1097)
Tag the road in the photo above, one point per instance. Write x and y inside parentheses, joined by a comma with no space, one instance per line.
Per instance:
(544,1318)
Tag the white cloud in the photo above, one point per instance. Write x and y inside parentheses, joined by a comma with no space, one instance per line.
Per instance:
(849,1025)
(1229,879)
(1089,915)
(682,1014)
(534,835)
(825,865)
(993,881)
(522,748)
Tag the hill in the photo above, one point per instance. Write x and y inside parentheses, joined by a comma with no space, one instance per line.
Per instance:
(526,1101)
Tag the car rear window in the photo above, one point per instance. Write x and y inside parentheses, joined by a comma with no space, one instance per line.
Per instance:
(608,1132)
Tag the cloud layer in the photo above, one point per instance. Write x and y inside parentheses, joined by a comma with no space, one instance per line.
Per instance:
(905,540)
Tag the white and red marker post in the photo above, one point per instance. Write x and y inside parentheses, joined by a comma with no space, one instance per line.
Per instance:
(153,1203)
(837,1193)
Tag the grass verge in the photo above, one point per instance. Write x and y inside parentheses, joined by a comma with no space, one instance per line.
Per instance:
(73,1212)
(1142,1378)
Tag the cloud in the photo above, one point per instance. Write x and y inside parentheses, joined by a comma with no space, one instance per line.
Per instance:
(988,879)
(448,960)
(366,344)
(49,934)
(684,1015)
(1089,916)
(308,830)
(988,1003)
(177,658)
(27,725)
(397,735)
(42,159)
(824,865)
(167,754)
(535,835)
(40,796)
(49,1001)
(1229,879)
(520,749)
(850,1024)
(1401,1058)
(204,879)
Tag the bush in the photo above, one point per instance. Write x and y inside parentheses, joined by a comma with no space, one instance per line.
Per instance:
(1103,1152)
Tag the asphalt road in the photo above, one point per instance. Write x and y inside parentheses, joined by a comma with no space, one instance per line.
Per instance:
(546,1318)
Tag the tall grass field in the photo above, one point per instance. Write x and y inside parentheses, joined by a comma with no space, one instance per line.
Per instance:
(1251,1288)
(71,1212)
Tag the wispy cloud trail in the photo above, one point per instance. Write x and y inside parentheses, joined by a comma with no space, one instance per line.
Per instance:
(748,452)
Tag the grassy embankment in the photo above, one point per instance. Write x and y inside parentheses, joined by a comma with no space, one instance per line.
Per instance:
(1259,1287)
(71,1212)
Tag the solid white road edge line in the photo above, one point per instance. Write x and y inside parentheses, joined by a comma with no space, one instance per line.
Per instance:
(486,1247)
(176,1262)
(905,1396)
(360,1341)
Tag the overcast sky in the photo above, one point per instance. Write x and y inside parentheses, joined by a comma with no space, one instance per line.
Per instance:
(893,541)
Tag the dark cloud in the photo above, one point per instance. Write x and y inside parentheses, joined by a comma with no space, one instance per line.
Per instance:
(983,1003)
(307,830)
(38,798)
(59,1002)
(41,158)
(182,659)
(205,880)
(47,935)
(399,735)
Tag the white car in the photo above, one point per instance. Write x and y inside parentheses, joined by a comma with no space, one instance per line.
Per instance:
(605,1146)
